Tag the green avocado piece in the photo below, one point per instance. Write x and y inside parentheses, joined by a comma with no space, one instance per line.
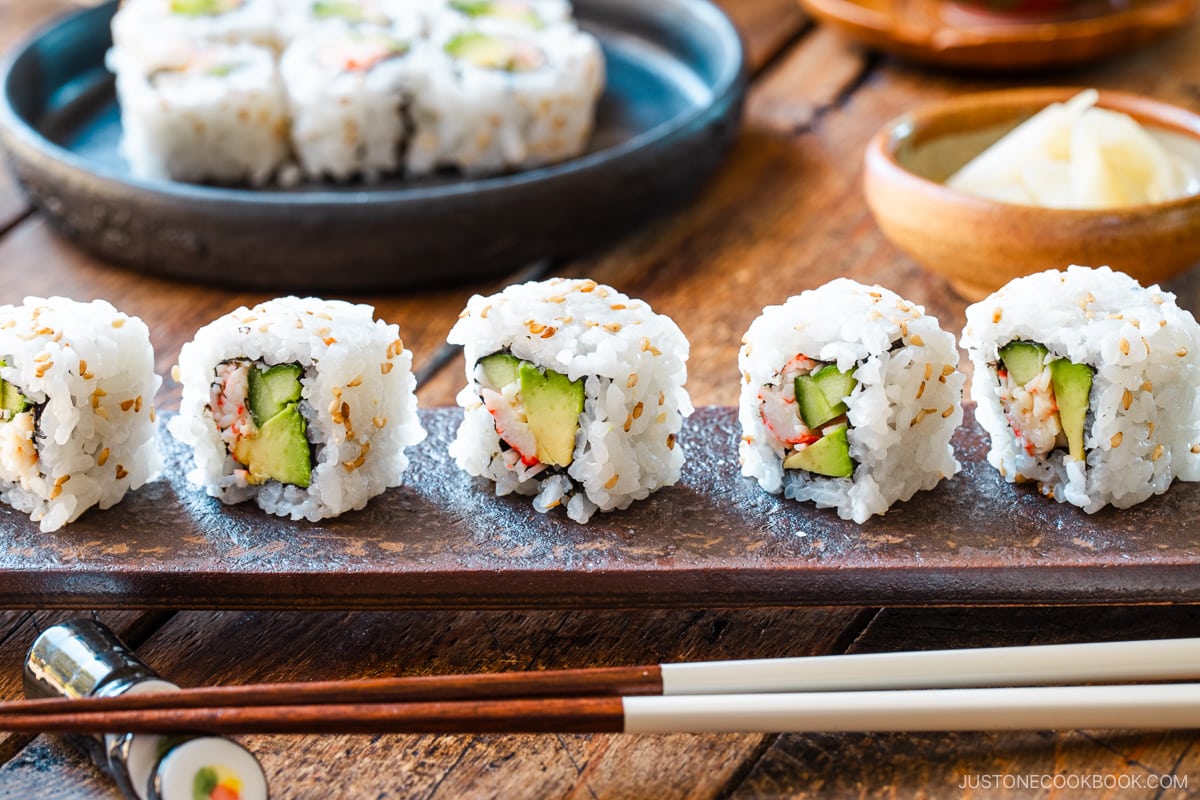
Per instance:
(272,389)
(280,451)
(1023,360)
(815,408)
(488,52)
(338,9)
(500,368)
(553,404)
(12,402)
(203,8)
(829,455)
(1072,384)
(517,12)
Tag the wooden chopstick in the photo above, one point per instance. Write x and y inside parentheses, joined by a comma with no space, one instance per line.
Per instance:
(1154,660)
(1157,706)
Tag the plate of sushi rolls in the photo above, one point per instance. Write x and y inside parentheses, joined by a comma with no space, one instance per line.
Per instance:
(353,144)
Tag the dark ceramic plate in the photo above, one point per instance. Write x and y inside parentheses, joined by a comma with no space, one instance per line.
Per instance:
(676,80)
(714,540)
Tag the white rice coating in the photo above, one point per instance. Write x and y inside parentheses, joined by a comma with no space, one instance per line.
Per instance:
(1143,423)
(633,362)
(93,369)
(348,122)
(358,397)
(227,128)
(483,120)
(902,413)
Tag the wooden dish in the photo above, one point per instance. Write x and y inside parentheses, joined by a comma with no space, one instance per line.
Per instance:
(978,244)
(948,34)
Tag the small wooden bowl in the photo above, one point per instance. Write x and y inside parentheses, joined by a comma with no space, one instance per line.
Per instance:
(978,244)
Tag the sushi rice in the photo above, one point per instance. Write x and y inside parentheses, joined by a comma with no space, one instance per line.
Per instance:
(1142,427)
(86,432)
(632,363)
(357,401)
(901,414)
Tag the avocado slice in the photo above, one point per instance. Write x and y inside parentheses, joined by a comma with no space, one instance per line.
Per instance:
(517,12)
(338,9)
(500,368)
(280,451)
(1023,360)
(553,404)
(272,389)
(490,52)
(1072,384)
(829,455)
(12,402)
(203,8)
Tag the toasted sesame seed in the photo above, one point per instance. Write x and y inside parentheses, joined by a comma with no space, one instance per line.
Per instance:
(949,410)
(996,315)
(587,286)
(102,458)
(618,306)
(1181,352)
(1157,454)
(356,382)
(346,410)
(628,422)
(1115,441)
(928,371)
(1149,428)
(329,341)
(661,418)
(917,340)
(632,381)
(920,390)
(153,415)
(612,327)
(127,404)
(1147,386)
(637,410)
(82,366)
(379,422)
(535,327)
(121,472)
(119,322)
(1123,344)
(1126,399)
(1196,448)
(40,357)
(947,369)
(386,367)
(550,331)
(611,482)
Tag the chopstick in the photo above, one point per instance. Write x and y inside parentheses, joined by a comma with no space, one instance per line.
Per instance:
(1157,706)
(1153,660)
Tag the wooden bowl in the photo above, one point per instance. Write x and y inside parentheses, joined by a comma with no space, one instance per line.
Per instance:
(978,244)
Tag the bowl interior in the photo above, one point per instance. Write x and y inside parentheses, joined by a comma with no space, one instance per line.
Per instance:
(935,143)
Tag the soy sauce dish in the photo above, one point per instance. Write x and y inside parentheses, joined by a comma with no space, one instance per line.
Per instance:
(980,244)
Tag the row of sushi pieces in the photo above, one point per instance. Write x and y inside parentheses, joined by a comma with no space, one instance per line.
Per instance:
(255,91)
(575,395)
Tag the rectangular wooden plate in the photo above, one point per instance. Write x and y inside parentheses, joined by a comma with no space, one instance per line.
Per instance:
(714,540)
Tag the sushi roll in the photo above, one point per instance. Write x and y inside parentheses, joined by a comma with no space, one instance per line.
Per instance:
(850,395)
(575,394)
(77,386)
(348,89)
(150,28)
(495,101)
(1087,384)
(303,405)
(202,113)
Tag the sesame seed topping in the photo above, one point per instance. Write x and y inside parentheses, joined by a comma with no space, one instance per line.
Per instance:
(611,482)
(102,458)
(121,472)
(1157,454)
(1126,399)
(1115,441)
(127,404)
(356,382)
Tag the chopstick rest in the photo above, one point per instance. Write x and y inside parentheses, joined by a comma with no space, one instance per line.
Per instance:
(83,658)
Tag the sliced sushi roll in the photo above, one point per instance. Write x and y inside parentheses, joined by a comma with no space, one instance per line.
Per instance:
(492,101)
(850,395)
(348,89)
(1087,384)
(575,394)
(303,405)
(203,113)
(77,386)
(150,28)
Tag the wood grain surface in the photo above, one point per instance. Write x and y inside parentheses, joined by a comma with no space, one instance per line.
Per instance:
(786,213)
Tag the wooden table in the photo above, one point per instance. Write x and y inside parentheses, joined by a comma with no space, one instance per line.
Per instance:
(785,214)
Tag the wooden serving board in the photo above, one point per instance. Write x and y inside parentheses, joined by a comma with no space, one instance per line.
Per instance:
(714,540)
